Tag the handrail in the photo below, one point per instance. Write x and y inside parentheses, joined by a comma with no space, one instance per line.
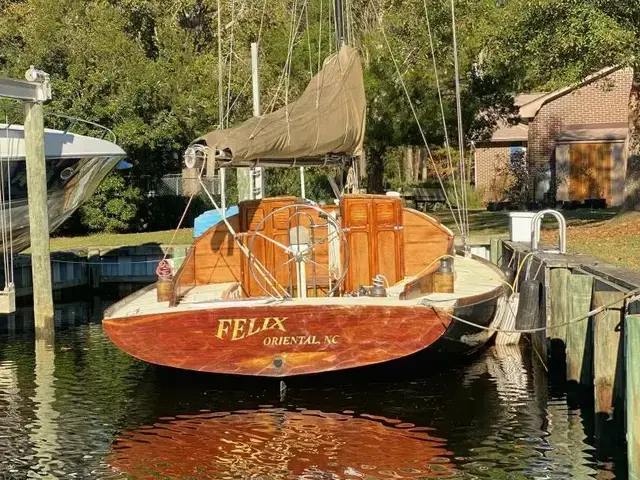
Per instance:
(536,225)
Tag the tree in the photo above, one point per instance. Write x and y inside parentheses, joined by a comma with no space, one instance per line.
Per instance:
(547,43)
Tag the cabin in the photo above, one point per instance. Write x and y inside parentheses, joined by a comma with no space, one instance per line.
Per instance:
(574,139)
(381,238)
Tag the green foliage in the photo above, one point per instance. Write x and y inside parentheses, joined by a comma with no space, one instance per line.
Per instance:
(114,206)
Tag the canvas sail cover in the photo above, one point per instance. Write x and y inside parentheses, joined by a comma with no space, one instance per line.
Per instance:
(327,120)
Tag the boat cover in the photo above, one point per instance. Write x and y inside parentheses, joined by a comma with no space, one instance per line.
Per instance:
(328,120)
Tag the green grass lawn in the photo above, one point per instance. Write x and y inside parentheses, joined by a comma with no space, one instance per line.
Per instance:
(601,233)
(183,237)
(485,223)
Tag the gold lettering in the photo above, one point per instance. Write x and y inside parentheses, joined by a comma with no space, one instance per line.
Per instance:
(238,328)
(223,327)
(315,342)
(278,323)
(286,341)
(267,341)
(252,322)
(331,339)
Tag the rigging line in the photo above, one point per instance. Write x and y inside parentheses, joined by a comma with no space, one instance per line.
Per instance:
(320,38)
(233,104)
(10,217)
(231,45)
(220,69)
(444,121)
(461,162)
(306,13)
(415,114)
(269,108)
(3,222)
(574,320)
(264,7)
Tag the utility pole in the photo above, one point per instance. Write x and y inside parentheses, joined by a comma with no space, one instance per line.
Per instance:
(38,211)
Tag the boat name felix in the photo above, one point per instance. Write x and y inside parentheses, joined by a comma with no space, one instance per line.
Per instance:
(245,327)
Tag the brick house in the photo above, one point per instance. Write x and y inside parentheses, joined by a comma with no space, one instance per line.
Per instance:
(574,139)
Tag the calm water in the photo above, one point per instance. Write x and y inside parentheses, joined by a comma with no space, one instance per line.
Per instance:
(83,409)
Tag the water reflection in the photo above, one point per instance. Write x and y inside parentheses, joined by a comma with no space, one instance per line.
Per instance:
(43,431)
(280,444)
(83,409)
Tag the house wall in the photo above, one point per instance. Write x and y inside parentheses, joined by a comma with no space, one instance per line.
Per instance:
(604,101)
(491,163)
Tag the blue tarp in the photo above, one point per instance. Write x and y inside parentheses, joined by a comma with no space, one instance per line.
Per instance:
(203,222)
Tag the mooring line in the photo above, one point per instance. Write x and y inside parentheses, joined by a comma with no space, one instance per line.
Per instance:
(593,312)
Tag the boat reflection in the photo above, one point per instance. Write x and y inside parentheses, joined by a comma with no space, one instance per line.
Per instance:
(281,444)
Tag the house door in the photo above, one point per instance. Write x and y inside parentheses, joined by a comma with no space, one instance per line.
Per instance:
(590,171)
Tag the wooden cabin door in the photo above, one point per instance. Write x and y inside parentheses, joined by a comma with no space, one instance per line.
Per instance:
(590,171)
(373,225)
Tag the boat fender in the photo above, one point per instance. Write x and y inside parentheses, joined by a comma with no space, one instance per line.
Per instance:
(528,305)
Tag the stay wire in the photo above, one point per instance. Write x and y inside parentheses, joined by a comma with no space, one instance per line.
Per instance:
(444,120)
(415,114)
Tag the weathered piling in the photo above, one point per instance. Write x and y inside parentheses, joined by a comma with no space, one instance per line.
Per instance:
(38,216)
(632,348)
(578,352)
(607,349)
(559,286)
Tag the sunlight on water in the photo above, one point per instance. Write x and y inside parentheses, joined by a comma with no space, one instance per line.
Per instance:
(83,409)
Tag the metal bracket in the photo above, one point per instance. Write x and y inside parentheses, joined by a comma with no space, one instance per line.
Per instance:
(37,88)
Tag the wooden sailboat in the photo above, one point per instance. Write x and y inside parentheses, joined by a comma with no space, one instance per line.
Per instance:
(287,287)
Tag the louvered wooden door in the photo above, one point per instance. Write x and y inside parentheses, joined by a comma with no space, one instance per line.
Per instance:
(373,226)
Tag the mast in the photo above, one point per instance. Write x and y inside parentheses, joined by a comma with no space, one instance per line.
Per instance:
(256,175)
(339,23)
(461,164)
(223,199)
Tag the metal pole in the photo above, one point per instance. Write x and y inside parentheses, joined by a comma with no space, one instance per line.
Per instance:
(463,171)
(303,190)
(339,24)
(220,93)
(257,174)
(38,218)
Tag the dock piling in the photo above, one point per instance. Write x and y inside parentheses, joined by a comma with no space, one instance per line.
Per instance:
(38,217)
(578,351)
(559,283)
(632,348)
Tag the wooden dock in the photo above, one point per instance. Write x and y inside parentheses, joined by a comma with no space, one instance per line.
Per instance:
(600,356)
(96,267)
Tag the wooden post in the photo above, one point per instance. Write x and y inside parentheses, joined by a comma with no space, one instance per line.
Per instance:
(606,336)
(608,369)
(495,253)
(38,217)
(632,348)
(558,284)
(578,355)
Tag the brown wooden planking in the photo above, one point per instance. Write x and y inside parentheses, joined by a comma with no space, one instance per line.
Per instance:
(425,239)
(590,171)
(327,337)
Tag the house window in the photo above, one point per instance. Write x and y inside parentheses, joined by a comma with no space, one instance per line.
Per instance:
(517,157)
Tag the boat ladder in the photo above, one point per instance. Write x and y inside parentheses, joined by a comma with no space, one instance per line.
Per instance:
(536,224)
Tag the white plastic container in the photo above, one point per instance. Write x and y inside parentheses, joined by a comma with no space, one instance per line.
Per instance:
(520,226)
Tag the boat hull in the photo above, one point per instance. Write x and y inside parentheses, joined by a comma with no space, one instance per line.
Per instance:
(277,340)
(63,196)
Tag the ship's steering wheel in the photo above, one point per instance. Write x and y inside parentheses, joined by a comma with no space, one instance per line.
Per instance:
(315,247)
